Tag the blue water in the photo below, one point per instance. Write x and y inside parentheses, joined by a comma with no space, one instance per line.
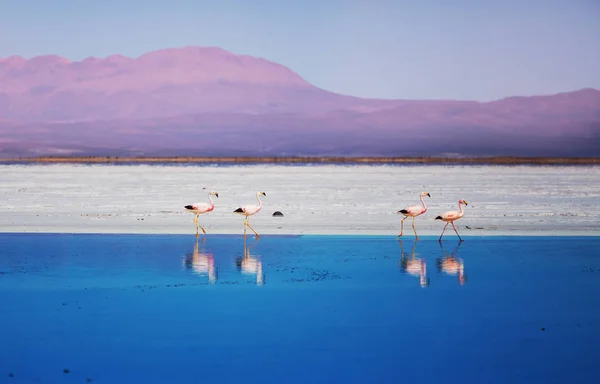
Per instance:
(298,309)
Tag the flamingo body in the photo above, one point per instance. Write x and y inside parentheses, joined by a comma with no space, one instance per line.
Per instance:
(248,210)
(200,208)
(413,211)
(450,216)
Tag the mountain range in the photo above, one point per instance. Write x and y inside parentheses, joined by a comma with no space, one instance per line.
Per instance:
(205,101)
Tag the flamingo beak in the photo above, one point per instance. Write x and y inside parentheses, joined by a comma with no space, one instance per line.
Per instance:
(466,203)
(216,194)
(428,194)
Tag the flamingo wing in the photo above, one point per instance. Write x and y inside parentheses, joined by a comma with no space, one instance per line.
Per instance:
(413,210)
(450,215)
(248,209)
(199,207)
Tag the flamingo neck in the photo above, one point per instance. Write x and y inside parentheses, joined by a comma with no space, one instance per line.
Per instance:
(259,202)
(211,201)
(460,207)
(423,202)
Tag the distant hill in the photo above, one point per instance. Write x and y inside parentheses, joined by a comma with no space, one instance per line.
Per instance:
(207,101)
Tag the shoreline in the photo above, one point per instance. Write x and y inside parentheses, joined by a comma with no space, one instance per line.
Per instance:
(492,160)
(234,233)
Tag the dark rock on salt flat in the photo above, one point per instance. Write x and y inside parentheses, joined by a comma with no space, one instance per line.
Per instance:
(277,213)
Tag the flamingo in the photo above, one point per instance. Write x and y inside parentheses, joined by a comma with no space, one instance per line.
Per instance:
(451,216)
(200,208)
(249,210)
(413,211)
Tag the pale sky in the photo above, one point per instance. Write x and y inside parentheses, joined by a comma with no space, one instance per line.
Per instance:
(420,49)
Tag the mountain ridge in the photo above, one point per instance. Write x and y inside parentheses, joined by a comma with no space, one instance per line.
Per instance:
(199,100)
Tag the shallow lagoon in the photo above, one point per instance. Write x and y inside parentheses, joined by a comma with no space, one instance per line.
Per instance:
(156,309)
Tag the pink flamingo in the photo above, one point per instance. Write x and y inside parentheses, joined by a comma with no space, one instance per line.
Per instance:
(249,210)
(413,211)
(451,216)
(199,208)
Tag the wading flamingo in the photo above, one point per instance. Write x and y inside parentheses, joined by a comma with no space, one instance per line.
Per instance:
(249,210)
(413,211)
(450,217)
(199,208)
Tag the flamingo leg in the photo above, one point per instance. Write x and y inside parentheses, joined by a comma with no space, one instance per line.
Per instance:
(440,239)
(413,225)
(402,226)
(245,224)
(198,224)
(202,228)
(456,232)
(257,235)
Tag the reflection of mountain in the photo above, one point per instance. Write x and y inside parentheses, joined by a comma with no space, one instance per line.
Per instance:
(452,265)
(201,263)
(250,265)
(414,266)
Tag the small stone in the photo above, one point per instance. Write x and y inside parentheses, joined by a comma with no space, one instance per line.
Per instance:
(543,329)
(66,371)
(277,213)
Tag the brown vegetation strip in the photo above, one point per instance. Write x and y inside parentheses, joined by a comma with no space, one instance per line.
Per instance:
(311,159)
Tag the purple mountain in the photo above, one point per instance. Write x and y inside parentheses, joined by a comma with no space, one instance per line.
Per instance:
(207,101)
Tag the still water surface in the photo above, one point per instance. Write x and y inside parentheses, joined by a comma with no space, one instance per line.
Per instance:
(298,309)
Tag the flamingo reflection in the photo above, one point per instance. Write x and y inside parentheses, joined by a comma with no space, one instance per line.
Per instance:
(250,265)
(452,265)
(414,266)
(201,263)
